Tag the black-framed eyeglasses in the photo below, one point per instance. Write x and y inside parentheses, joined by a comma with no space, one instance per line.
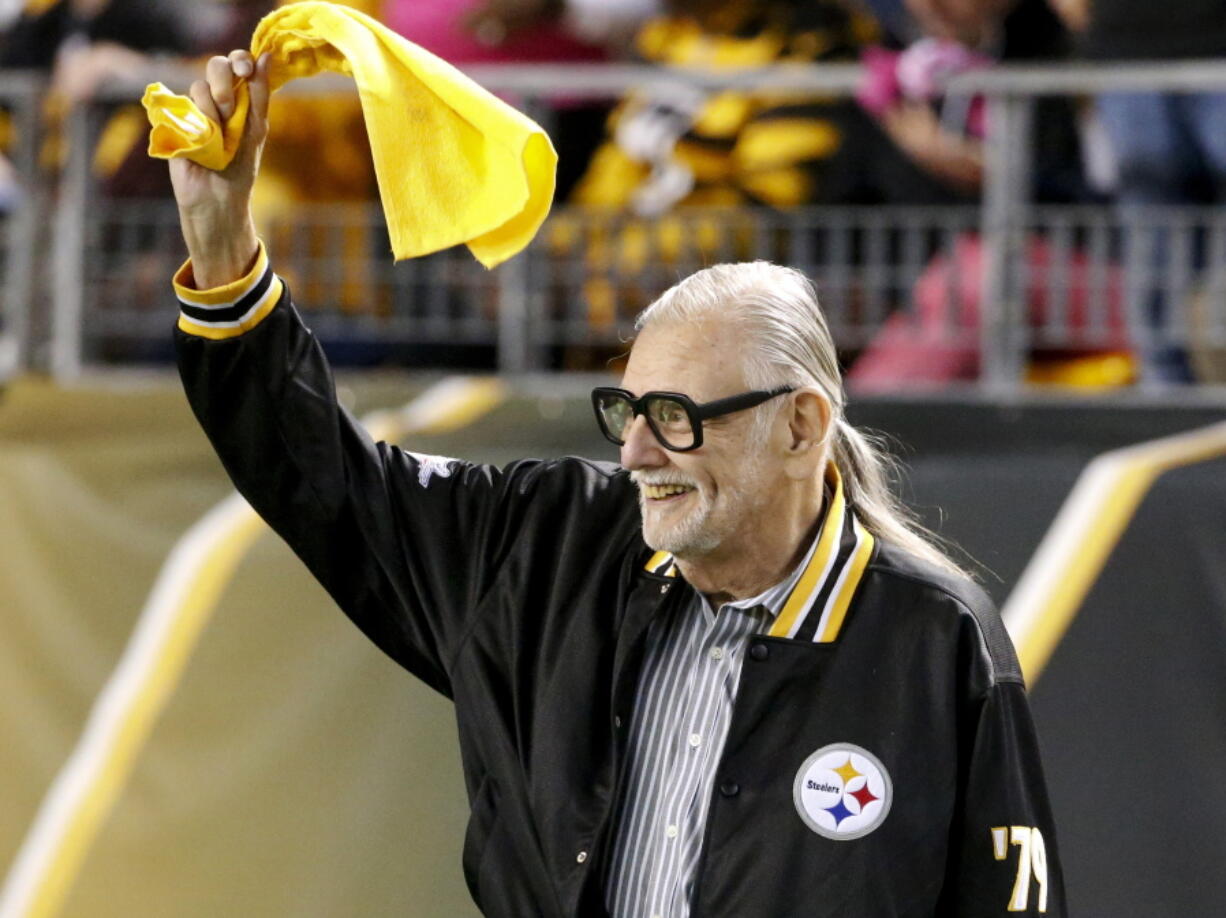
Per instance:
(675,419)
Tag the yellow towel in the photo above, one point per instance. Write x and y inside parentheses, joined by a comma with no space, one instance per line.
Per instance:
(454,163)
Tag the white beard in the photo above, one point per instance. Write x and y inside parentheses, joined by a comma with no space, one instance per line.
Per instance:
(704,527)
(689,536)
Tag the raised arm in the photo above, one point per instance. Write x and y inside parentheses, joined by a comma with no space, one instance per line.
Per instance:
(407,545)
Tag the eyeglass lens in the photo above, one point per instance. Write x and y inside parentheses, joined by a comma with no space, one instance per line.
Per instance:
(617,414)
(671,421)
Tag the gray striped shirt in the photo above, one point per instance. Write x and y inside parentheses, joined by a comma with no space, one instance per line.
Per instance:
(681,715)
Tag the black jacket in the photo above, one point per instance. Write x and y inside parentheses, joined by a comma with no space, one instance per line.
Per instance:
(522,593)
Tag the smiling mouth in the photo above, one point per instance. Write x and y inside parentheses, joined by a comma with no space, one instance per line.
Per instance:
(665,492)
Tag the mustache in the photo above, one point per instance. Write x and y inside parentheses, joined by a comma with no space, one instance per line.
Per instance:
(662,478)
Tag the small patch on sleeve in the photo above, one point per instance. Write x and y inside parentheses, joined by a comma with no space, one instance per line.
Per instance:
(429,466)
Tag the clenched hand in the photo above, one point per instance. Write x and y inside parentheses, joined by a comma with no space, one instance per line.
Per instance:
(215,207)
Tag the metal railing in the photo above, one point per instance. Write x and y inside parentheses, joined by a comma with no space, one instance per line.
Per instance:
(21,97)
(1010,92)
(996,283)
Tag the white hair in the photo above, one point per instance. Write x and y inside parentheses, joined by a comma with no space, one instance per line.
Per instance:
(788,343)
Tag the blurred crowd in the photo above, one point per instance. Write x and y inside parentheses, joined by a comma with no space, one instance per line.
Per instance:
(903,139)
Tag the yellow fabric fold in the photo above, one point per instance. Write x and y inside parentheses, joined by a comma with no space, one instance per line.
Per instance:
(454,163)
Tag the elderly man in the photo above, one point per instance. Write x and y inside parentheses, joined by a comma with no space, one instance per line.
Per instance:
(727,678)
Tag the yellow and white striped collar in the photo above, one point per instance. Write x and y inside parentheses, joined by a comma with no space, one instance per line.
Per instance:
(812,603)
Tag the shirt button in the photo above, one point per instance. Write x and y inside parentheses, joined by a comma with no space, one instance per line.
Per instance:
(617,721)
(671,831)
(759,652)
(581,857)
(695,740)
(717,653)
(730,788)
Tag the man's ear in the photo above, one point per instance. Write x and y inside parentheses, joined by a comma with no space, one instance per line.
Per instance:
(808,423)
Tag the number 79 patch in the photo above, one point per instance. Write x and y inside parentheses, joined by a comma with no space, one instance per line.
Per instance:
(1031,863)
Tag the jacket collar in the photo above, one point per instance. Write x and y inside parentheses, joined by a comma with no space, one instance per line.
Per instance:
(812,603)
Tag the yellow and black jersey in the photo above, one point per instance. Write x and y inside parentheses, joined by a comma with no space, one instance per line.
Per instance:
(671,144)
(880,759)
(683,169)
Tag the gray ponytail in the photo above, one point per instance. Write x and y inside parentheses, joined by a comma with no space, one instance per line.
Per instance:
(869,472)
(790,343)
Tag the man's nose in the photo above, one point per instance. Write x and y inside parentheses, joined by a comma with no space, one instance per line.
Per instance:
(640,448)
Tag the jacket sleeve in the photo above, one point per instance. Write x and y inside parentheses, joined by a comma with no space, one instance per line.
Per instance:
(405,544)
(1004,859)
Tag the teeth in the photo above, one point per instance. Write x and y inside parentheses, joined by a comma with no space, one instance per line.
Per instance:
(660,491)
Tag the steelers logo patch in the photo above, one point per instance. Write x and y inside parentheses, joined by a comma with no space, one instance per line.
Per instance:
(842,792)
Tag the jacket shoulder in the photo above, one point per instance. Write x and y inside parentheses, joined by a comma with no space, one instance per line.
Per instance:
(953,594)
(588,480)
(572,496)
(591,473)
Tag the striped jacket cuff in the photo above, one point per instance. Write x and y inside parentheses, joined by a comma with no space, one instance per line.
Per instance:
(227,312)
